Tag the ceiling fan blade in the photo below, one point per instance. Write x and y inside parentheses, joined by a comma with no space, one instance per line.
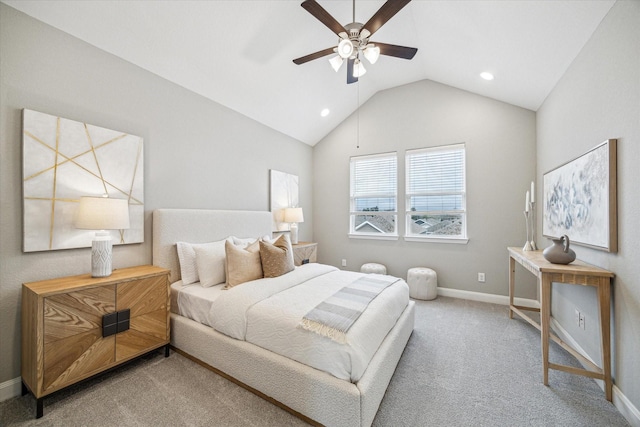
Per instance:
(323,16)
(386,12)
(350,77)
(312,56)
(397,51)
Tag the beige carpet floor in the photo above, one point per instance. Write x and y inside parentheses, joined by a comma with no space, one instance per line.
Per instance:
(466,364)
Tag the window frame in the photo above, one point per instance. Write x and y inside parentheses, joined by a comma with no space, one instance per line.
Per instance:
(408,235)
(353,213)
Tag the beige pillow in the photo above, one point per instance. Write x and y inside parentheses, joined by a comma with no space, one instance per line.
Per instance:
(242,265)
(277,258)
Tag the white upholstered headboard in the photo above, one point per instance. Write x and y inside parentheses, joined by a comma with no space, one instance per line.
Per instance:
(201,226)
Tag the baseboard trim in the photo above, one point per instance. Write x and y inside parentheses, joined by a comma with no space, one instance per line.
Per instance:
(490,298)
(10,389)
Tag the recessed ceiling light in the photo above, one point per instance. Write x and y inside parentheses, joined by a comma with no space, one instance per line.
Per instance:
(486,75)
(325,112)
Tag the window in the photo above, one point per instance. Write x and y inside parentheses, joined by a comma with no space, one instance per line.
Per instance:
(436,194)
(374,183)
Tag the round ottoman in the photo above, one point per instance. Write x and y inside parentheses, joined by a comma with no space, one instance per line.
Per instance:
(372,267)
(423,283)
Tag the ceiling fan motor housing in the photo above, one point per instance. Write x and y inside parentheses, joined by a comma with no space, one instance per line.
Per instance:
(355,36)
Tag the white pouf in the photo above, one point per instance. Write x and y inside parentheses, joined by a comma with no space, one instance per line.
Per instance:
(373,267)
(423,283)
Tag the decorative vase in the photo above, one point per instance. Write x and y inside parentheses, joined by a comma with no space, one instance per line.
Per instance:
(559,252)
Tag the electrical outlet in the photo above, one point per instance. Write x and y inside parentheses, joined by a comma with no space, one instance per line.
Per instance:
(577,317)
(581,321)
(481,277)
(344,262)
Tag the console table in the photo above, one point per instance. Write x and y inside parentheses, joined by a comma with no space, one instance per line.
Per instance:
(576,273)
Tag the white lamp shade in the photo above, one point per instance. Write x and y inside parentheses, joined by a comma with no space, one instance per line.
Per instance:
(102,213)
(372,53)
(345,48)
(358,69)
(293,215)
(336,62)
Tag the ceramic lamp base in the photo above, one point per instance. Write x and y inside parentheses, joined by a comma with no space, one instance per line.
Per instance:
(294,233)
(101,255)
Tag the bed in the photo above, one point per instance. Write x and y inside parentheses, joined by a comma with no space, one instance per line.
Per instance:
(345,397)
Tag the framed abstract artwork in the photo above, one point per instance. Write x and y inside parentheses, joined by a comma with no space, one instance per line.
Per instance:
(283,194)
(64,160)
(580,199)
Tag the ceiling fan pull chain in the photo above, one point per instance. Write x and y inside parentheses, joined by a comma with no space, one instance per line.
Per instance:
(358,117)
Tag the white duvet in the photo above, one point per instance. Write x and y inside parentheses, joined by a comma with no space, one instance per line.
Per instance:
(267,312)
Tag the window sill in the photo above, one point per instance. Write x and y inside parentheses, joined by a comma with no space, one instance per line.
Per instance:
(453,240)
(373,236)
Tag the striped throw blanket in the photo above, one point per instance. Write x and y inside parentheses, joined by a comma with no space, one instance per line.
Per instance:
(334,316)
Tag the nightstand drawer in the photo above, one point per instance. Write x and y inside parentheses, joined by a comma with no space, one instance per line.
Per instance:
(305,252)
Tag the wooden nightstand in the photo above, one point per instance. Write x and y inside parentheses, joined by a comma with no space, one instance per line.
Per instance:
(76,327)
(304,252)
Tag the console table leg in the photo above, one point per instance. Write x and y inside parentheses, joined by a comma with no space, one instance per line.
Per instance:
(604,302)
(545,318)
(512,280)
(166,350)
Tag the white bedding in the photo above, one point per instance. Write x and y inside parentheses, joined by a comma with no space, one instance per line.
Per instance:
(267,312)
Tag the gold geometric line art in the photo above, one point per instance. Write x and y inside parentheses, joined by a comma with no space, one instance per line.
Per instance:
(67,159)
(91,150)
(51,199)
(55,179)
(94,165)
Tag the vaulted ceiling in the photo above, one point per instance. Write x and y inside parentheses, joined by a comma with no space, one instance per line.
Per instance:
(239,53)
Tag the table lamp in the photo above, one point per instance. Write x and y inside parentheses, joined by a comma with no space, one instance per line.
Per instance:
(101,214)
(293,216)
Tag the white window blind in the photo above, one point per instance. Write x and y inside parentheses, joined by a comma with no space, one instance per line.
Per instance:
(436,193)
(374,183)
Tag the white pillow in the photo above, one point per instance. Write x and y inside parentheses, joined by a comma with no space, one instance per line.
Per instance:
(244,242)
(187,258)
(210,260)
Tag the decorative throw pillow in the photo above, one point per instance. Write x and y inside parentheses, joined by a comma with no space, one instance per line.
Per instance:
(243,265)
(210,263)
(188,262)
(276,257)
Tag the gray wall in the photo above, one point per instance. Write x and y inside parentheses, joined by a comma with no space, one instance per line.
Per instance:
(500,144)
(198,154)
(599,98)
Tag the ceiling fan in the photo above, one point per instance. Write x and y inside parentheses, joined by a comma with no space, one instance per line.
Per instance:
(354,39)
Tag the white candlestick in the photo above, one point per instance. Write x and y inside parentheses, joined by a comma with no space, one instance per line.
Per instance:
(527,201)
(533,192)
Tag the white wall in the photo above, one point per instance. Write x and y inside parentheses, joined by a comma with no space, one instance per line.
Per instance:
(198,154)
(599,98)
(500,144)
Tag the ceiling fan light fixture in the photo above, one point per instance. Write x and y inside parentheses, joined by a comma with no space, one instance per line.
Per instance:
(358,69)
(336,62)
(372,53)
(345,48)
